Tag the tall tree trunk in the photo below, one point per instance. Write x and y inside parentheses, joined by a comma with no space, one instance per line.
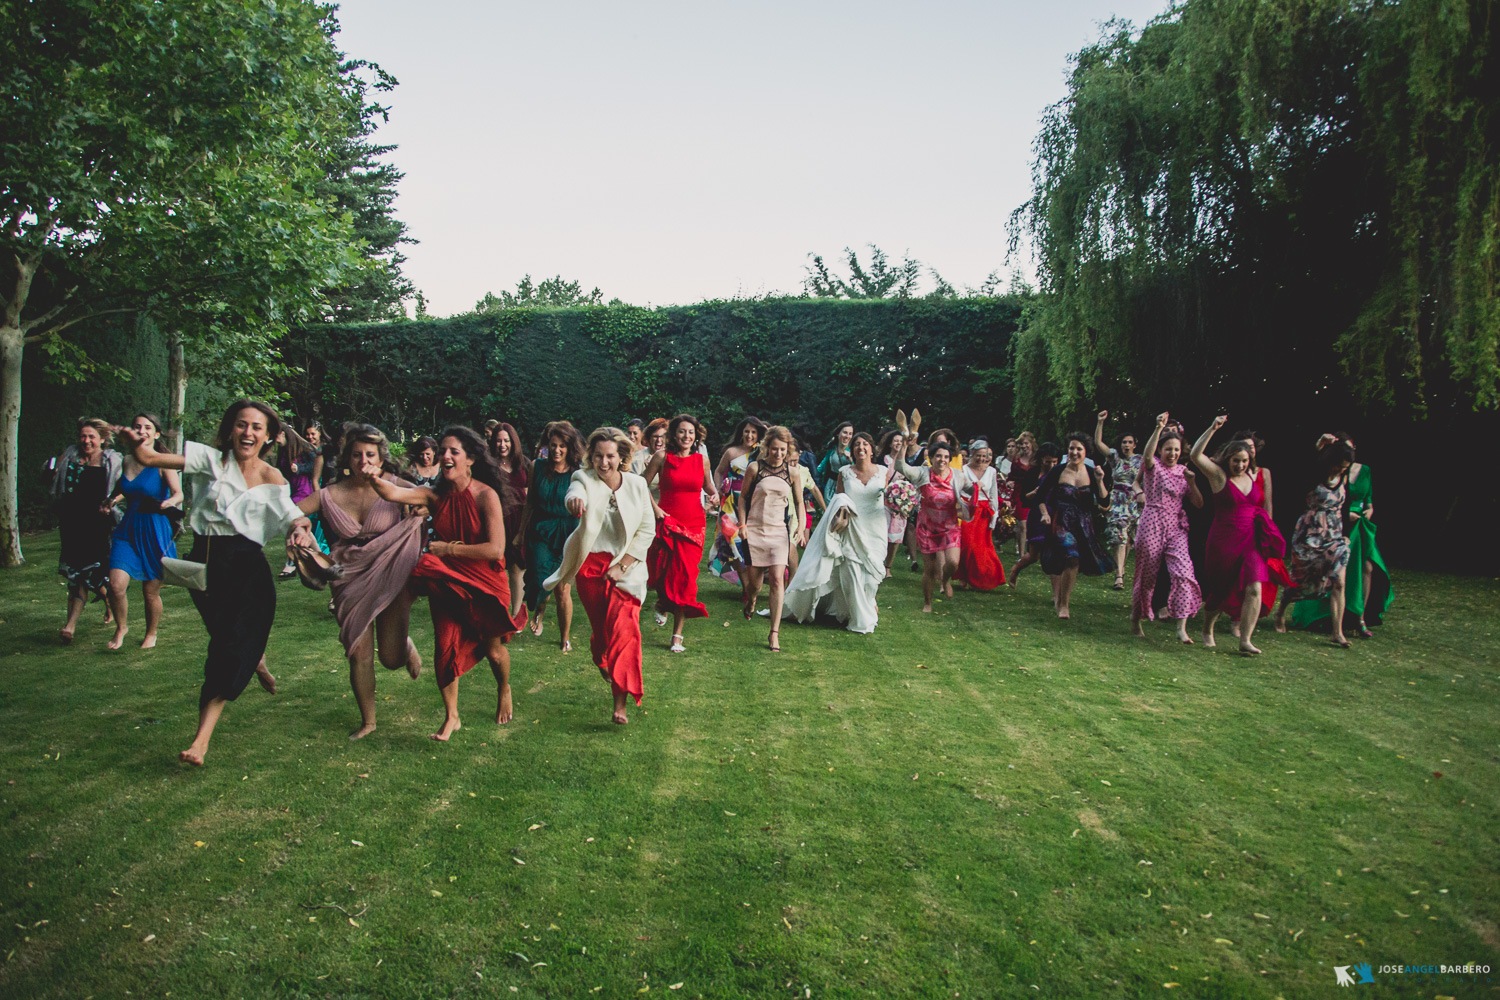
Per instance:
(176,390)
(12,343)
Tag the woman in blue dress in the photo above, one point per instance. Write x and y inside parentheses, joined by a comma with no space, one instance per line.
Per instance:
(153,506)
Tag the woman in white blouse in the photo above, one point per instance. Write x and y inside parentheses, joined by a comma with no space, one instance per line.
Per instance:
(605,559)
(239,501)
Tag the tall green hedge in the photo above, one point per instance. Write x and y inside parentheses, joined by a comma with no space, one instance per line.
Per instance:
(806,363)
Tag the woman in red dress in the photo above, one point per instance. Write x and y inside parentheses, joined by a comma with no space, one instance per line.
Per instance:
(684,477)
(1242,563)
(462,573)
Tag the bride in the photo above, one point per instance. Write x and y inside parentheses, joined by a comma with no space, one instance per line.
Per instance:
(845,558)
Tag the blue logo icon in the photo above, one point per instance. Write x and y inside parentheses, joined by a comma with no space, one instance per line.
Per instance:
(1364,974)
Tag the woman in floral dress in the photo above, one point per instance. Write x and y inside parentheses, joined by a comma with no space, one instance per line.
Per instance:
(1319,556)
(1123,519)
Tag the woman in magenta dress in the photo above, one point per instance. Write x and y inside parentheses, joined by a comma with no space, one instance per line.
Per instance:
(463,571)
(1161,536)
(1242,563)
(938,519)
(682,474)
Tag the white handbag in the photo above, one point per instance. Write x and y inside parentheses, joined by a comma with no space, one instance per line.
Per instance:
(186,573)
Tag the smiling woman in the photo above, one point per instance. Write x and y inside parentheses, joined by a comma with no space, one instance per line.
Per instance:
(239,501)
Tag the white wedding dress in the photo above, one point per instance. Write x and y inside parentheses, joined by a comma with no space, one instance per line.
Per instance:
(840,571)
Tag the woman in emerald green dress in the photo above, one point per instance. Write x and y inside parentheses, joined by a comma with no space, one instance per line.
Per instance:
(546,525)
(1367,592)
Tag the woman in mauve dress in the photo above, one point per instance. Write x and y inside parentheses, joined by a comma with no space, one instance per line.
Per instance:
(1242,562)
(605,557)
(462,573)
(1161,538)
(378,546)
(680,473)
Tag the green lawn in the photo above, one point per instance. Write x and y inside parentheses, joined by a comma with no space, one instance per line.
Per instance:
(985,802)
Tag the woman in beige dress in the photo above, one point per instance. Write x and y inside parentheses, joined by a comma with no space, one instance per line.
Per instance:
(767,495)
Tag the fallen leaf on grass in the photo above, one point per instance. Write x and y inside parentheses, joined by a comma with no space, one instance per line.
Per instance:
(1222,941)
(1400,914)
(675,986)
(1075,833)
(434,892)
(199,843)
(518,861)
(728,813)
(148,939)
(365,775)
(1171,985)
(1260,916)
(357,843)
(535,827)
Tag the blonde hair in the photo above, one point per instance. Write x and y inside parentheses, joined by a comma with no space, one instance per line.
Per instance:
(98,424)
(621,440)
(777,432)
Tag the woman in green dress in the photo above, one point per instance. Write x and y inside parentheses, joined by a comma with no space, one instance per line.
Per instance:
(1367,592)
(546,525)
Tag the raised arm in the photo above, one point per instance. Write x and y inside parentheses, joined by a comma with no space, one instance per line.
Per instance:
(144,452)
(1206,465)
(918,474)
(387,490)
(1101,453)
(1151,442)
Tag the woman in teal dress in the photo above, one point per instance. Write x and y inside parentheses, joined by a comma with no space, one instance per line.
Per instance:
(1367,591)
(546,525)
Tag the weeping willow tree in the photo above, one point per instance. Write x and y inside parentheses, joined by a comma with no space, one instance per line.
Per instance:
(1287,197)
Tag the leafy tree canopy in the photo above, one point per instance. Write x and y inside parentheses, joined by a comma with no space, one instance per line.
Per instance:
(550,293)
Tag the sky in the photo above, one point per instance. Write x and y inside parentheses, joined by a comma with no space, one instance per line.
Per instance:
(669,153)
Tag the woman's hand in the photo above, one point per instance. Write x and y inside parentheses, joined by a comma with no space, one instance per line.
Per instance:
(1219,420)
(661,515)
(1046,517)
(801,538)
(575,506)
(372,467)
(615,573)
(1161,420)
(1103,415)
(713,501)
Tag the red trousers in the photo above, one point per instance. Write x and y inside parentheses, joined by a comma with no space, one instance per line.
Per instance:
(615,618)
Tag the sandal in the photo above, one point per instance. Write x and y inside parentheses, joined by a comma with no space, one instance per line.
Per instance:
(1119,583)
(773,642)
(661,619)
(1341,643)
(567,645)
(677,646)
(1364,631)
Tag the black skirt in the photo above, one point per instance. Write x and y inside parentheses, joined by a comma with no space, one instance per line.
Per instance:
(237,609)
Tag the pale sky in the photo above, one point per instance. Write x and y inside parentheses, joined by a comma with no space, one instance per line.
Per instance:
(675,152)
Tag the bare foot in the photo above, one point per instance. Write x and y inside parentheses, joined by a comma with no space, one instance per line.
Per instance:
(1279,624)
(567,645)
(927,609)
(266,680)
(65,636)
(362,731)
(117,640)
(503,710)
(1340,642)
(887,572)
(1136,629)
(619,718)
(451,725)
(1208,640)
(1062,613)
(1248,649)
(109,617)
(1184,638)
(149,642)
(192,755)
(1234,627)
(948,589)
(413,660)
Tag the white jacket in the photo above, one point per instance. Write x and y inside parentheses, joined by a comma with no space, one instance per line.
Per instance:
(637,514)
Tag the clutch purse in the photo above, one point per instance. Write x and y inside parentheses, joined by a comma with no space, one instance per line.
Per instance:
(184,573)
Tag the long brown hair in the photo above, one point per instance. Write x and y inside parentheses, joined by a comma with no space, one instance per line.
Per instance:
(161,428)
(224,439)
(576,452)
